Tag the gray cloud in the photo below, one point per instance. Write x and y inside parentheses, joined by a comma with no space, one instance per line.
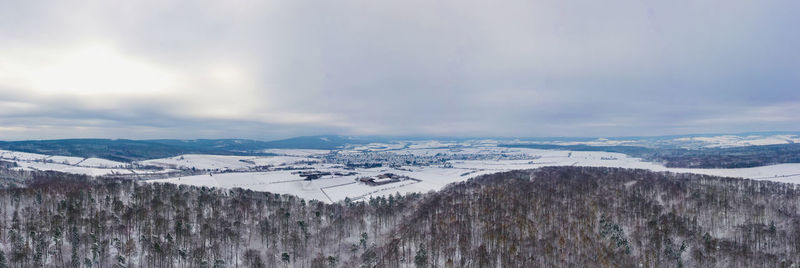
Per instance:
(204,69)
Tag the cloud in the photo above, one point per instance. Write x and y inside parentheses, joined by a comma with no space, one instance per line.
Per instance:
(271,69)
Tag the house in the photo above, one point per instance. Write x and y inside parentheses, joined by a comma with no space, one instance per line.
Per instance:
(380,179)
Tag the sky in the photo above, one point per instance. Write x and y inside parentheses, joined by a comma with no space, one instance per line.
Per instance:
(275,69)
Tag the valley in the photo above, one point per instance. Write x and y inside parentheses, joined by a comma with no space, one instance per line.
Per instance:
(351,172)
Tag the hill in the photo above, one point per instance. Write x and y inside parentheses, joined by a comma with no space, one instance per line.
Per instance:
(134,150)
(735,157)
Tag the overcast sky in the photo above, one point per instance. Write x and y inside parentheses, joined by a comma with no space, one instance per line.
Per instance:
(274,69)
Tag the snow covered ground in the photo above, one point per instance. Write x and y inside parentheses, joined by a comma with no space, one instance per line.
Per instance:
(69,164)
(719,141)
(297,152)
(58,159)
(725,141)
(91,171)
(456,162)
(223,162)
(22,156)
(431,178)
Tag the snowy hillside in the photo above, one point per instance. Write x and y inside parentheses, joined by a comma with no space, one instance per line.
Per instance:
(68,164)
(223,162)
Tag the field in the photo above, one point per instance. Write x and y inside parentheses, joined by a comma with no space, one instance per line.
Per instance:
(333,175)
(431,178)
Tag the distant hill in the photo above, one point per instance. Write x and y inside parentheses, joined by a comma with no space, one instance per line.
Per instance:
(325,142)
(118,150)
(133,150)
(735,157)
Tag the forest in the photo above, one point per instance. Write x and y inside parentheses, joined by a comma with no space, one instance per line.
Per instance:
(554,216)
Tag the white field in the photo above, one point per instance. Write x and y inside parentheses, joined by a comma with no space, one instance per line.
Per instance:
(104,163)
(67,160)
(223,162)
(22,156)
(91,171)
(297,152)
(721,141)
(334,188)
(378,147)
(432,178)
(58,159)
(68,164)
(736,141)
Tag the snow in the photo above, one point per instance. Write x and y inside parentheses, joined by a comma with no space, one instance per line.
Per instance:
(280,160)
(12,155)
(275,182)
(719,141)
(228,171)
(70,164)
(297,152)
(329,188)
(432,178)
(379,147)
(431,144)
(68,160)
(599,142)
(59,159)
(725,141)
(222,162)
(91,171)
(383,180)
(102,163)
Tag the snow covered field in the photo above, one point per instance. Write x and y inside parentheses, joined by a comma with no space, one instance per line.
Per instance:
(296,152)
(91,171)
(719,141)
(443,163)
(223,162)
(68,164)
(725,141)
(432,178)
